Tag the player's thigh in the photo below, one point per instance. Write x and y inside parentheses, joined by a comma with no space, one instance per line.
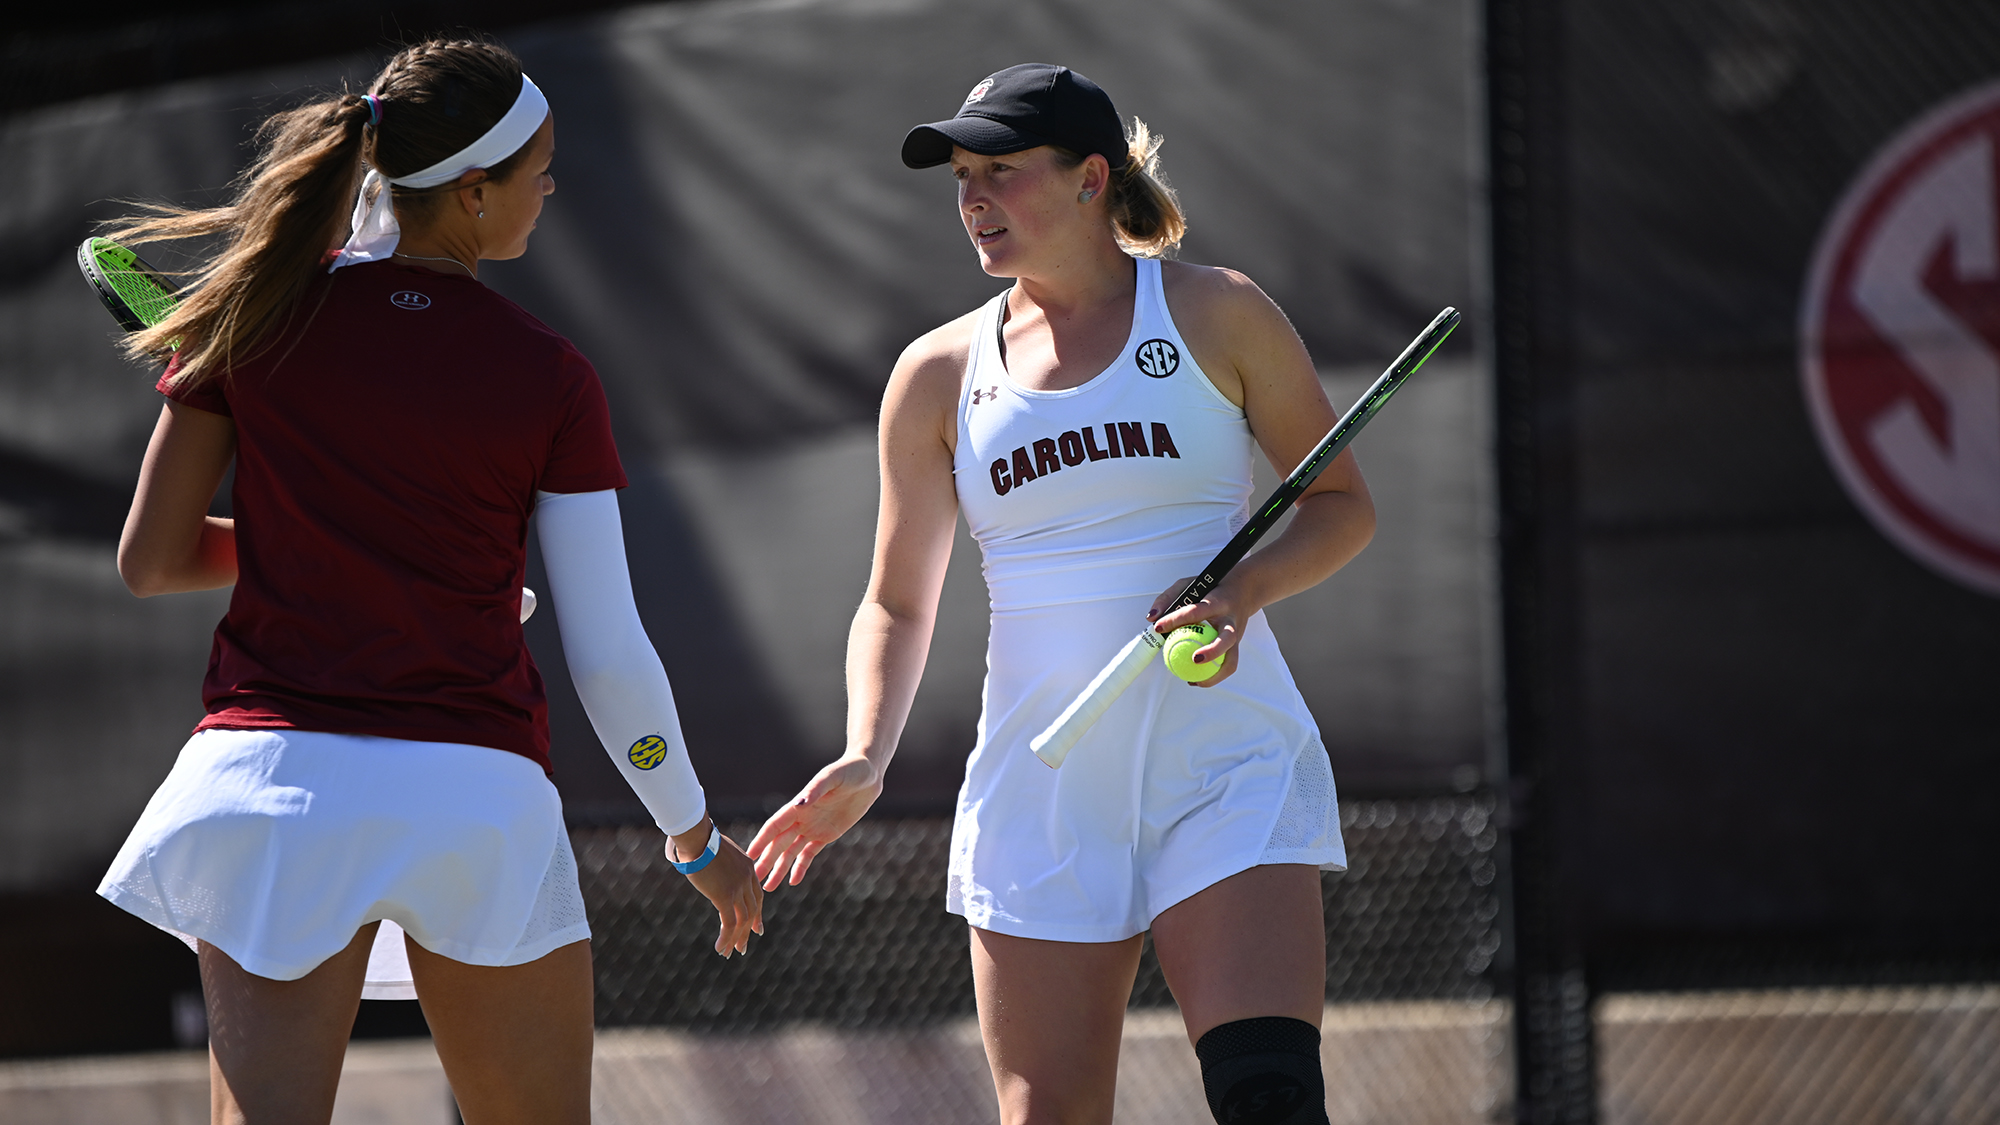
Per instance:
(1251,945)
(1051,1013)
(515,1041)
(275,1046)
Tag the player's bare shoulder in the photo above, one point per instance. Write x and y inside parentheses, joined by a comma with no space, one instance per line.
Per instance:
(1216,299)
(1226,320)
(924,387)
(940,352)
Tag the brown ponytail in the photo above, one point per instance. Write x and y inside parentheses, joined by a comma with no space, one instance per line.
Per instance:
(292,204)
(281,222)
(1145,212)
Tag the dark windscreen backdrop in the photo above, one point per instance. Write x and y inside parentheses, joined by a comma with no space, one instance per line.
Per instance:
(1788,710)
(1747,359)
(735,244)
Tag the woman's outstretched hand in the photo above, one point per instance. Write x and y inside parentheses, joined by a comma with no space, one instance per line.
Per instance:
(1221,612)
(729,882)
(823,810)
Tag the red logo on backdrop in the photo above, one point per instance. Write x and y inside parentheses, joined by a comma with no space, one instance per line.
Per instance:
(1900,339)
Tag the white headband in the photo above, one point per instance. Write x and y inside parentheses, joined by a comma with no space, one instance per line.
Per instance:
(375,230)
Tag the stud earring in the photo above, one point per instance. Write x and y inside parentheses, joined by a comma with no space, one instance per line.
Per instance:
(1085,195)
(482,214)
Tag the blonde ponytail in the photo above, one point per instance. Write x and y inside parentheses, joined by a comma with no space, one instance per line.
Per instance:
(1145,211)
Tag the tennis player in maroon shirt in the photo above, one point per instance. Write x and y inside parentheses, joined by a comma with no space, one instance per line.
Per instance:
(366,804)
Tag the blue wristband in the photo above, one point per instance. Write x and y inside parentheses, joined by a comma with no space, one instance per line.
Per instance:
(704,859)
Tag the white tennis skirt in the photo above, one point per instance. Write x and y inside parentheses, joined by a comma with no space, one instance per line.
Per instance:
(275,846)
(1174,790)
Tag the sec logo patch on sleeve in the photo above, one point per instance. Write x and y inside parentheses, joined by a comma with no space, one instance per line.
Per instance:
(1899,339)
(648,752)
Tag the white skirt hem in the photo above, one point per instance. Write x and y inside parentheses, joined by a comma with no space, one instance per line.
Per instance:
(275,847)
(1326,859)
(389,977)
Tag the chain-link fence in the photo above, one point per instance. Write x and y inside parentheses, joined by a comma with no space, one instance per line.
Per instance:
(1811,1057)
(858,1004)
(865,942)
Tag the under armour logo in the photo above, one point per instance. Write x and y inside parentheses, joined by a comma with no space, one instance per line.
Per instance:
(986,395)
(410,299)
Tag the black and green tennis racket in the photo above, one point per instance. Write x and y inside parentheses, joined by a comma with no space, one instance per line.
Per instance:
(137,295)
(1053,744)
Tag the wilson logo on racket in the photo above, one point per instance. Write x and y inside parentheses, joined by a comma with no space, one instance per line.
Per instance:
(1157,358)
(410,299)
(648,752)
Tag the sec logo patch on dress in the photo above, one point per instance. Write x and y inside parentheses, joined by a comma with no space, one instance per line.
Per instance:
(1900,339)
(648,752)
(1157,358)
(409,299)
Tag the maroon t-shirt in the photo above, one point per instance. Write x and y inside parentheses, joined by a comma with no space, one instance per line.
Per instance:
(388,454)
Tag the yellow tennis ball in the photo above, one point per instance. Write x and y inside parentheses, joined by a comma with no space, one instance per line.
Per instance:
(1179,652)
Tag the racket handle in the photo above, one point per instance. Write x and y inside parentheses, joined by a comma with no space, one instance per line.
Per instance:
(1053,745)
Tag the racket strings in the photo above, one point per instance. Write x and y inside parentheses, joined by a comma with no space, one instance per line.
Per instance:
(146,294)
(143,293)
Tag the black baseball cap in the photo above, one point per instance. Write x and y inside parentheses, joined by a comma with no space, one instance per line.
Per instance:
(1019,108)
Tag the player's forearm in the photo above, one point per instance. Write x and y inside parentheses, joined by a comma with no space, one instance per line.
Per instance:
(617,673)
(886,652)
(170,543)
(631,707)
(204,561)
(1325,534)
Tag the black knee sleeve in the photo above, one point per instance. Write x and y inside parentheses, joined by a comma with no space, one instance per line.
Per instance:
(1263,1071)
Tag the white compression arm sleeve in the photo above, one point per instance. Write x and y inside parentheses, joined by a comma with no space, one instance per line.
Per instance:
(612,662)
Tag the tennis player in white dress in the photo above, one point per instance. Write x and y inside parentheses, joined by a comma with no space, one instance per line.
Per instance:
(1095,424)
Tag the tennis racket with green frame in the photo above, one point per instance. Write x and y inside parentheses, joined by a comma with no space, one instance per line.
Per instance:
(1053,745)
(137,295)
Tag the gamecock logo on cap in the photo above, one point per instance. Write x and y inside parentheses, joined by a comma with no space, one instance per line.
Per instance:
(1900,339)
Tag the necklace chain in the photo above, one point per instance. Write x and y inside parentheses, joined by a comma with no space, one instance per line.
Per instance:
(425,258)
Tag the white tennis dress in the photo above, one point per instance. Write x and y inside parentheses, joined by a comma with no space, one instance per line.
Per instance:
(1086,503)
